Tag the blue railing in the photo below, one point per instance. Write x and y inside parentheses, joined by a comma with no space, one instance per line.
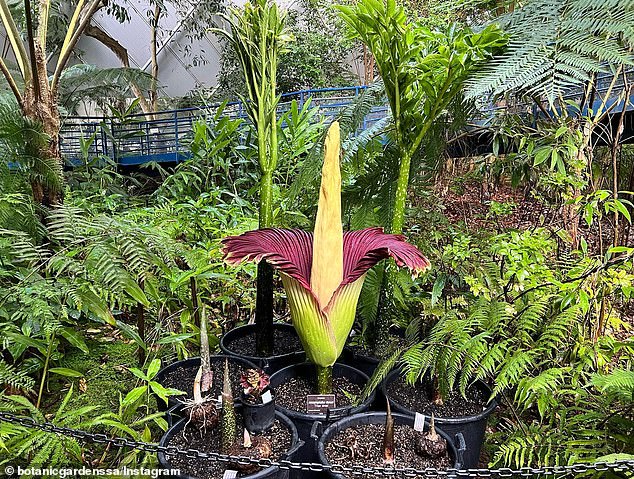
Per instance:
(165,137)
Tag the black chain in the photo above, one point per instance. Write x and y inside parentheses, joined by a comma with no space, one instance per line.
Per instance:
(554,471)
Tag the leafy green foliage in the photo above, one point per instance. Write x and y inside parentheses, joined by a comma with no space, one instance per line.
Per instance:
(570,41)
(39,449)
(21,166)
(316,59)
(528,324)
(81,82)
(150,385)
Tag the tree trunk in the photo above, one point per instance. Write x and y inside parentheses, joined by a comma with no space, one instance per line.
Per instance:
(154,51)
(40,104)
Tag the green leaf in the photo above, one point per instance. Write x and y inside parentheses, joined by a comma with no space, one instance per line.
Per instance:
(163,392)
(623,210)
(133,289)
(541,155)
(66,372)
(153,368)
(133,396)
(175,338)
(436,291)
(75,338)
(561,130)
(621,249)
(131,334)
(138,373)
(117,425)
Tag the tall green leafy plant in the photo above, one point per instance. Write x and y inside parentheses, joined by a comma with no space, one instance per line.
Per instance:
(423,71)
(258,35)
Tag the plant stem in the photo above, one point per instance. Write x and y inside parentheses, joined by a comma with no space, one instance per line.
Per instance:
(49,352)
(324,379)
(264,298)
(194,292)
(140,324)
(386,308)
(385,312)
(227,414)
(400,197)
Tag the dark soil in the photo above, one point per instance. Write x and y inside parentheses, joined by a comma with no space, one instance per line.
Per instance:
(183,379)
(284,342)
(368,441)
(292,394)
(209,441)
(417,398)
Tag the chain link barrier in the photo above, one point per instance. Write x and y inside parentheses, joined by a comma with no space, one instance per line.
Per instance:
(100,438)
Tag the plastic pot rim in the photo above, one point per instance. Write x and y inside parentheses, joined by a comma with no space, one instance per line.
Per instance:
(491,405)
(334,413)
(296,443)
(226,349)
(176,400)
(321,452)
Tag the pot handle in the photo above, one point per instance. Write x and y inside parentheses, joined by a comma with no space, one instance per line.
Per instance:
(171,415)
(316,430)
(290,454)
(461,447)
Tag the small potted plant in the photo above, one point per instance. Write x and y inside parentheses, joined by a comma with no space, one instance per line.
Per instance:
(195,376)
(221,429)
(258,402)
(388,440)
(460,403)
(322,274)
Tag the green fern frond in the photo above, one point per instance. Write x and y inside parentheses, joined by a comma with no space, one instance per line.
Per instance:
(570,40)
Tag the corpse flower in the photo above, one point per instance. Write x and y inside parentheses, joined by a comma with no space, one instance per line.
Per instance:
(323,272)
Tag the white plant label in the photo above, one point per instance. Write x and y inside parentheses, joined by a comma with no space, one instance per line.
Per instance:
(230,474)
(419,422)
(266,397)
(219,399)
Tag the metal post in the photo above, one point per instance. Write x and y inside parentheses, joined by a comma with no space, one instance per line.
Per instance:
(115,152)
(176,135)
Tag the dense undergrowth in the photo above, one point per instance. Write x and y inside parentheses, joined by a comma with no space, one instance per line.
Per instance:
(548,325)
(530,288)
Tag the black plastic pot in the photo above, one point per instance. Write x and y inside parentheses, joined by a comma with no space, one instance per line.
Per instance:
(272,472)
(472,427)
(258,417)
(175,402)
(305,422)
(270,364)
(352,355)
(455,443)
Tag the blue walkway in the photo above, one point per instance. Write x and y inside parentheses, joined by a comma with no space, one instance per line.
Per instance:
(165,139)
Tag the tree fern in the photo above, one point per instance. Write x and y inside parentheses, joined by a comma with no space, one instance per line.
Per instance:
(567,42)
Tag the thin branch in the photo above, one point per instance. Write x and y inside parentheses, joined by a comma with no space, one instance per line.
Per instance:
(121,52)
